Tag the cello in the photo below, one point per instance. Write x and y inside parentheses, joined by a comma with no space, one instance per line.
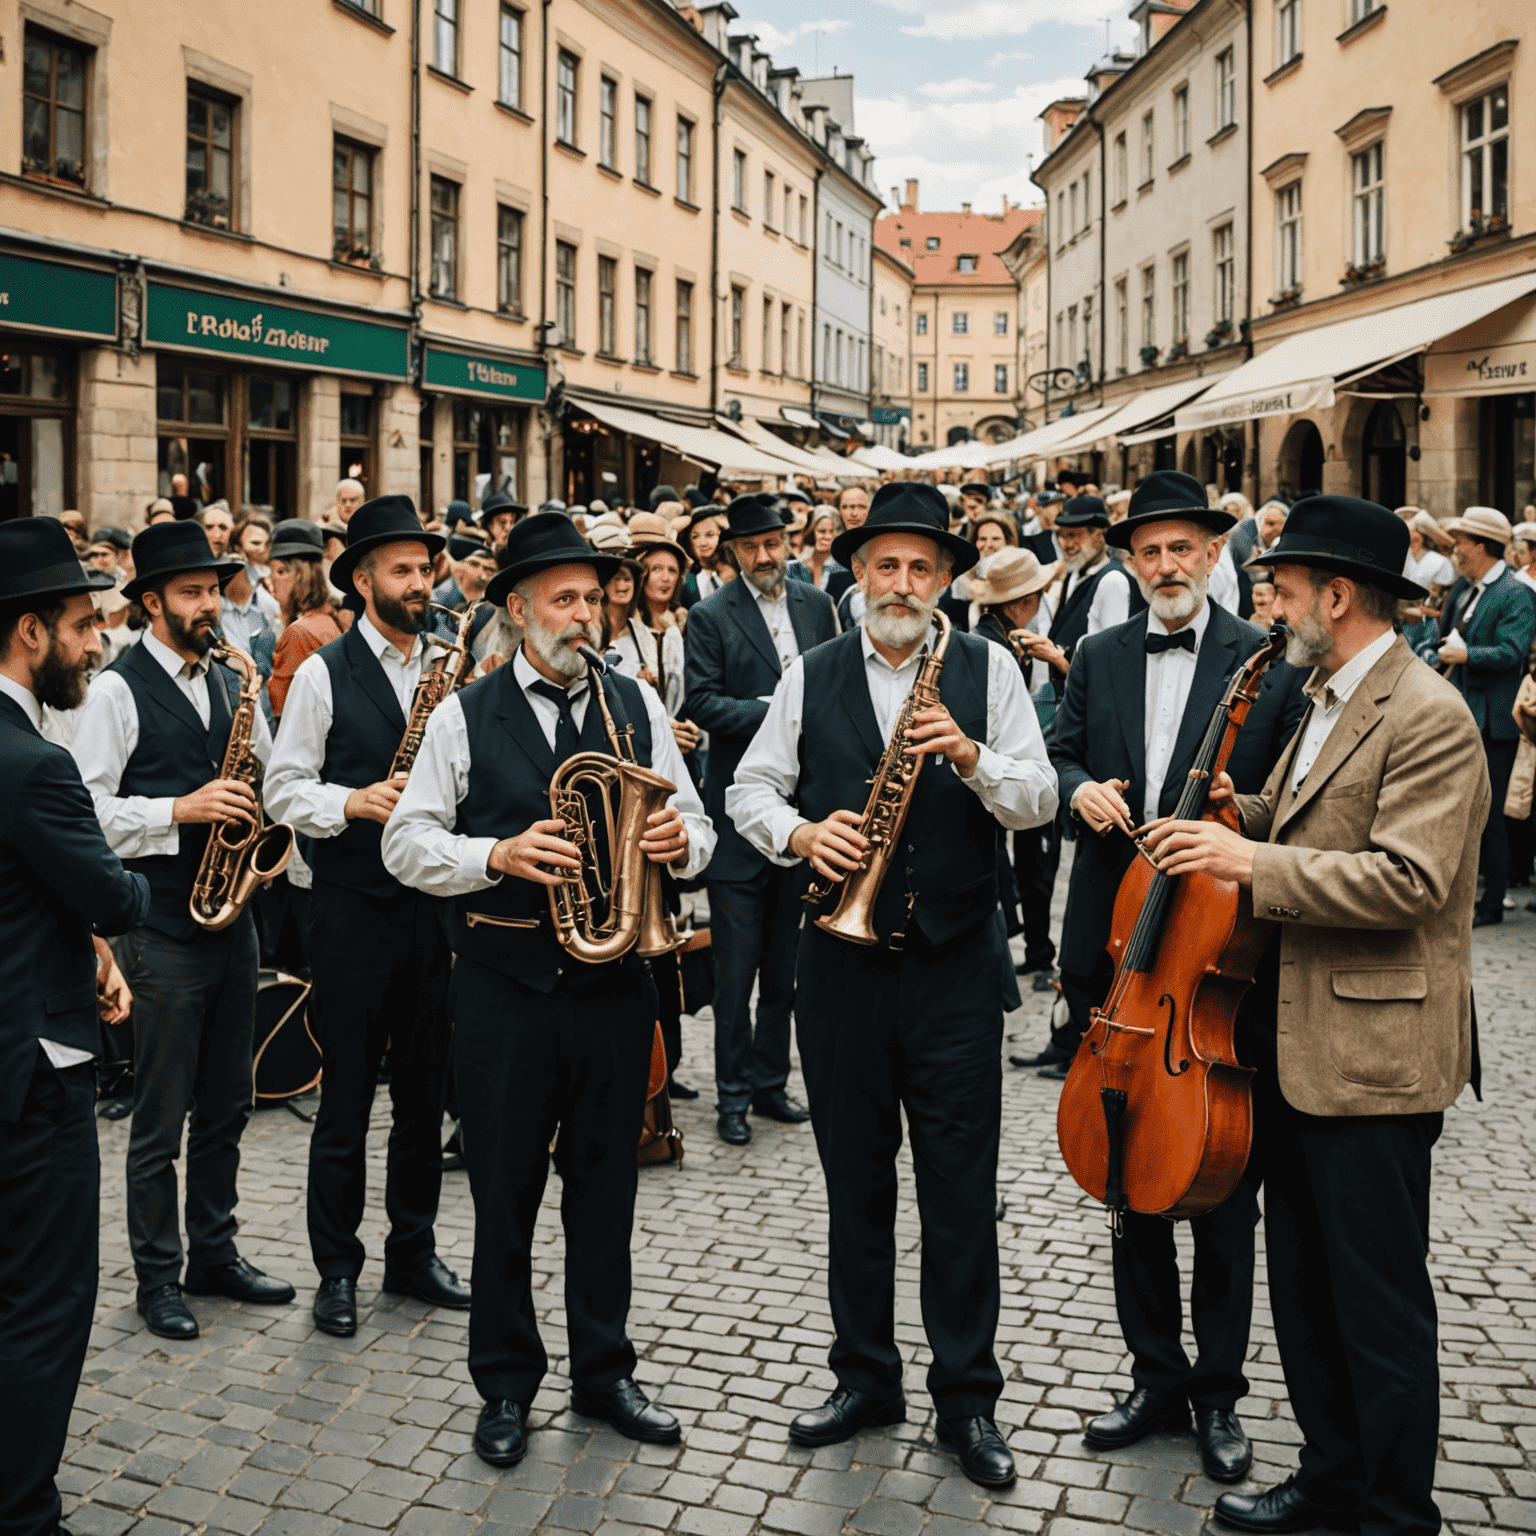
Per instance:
(1156,1114)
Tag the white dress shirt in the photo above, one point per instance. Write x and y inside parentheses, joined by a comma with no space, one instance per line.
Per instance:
(139,826)
(292,788)
(1170,675)
(422,850)
(775,612)
(1111,603)
(1524,575)
(1431,569)
(59,1056)
(1329,696)
(1013,777)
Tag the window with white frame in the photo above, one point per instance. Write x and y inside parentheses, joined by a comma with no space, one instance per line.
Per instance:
(1071,335)
(1061,338)
(1179,293)
(739,180)
(1000,322)
(1122,169)
(1148,148)
(684,164)
(768,208)
(1360,9)
(565,98)
(445,36)
(1181,122)
(1088,328)
(922,378)
(1226,88)
(510,75)
(1000,378)
(1087,199)
(1287,31)
(1061,219)
(1485,159)
(1073,225)
(960,323)
(1368,207)
(962,378)
(1225,264)
(1149,306)
(922,324)
(607,123)
(1288,237)
(643,140)
(1122,325)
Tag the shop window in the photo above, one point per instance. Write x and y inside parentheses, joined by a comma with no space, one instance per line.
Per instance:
(210,160)
(356,435)
(1485,162)
(36,424)
(1384,461)
(53,90)
(271,447)
(352,202)
(509,260)
(1507,457)
(607,306)
(565,292)
(444,279)
(510,79)
(426,453)
(192,407)
(486,451)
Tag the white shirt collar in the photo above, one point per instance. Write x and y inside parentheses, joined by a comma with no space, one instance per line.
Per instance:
(24,697)
(1492,574)
(174,664)
(527,675)
(1198,624)
(763,598)
(378,644)
(1330,694)
(871,654)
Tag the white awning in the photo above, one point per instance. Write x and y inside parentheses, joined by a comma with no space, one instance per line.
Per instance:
(798,418)
(1141,410)
(877,456)
(1303,371)
(1494,356)
(702,445)
(802,459)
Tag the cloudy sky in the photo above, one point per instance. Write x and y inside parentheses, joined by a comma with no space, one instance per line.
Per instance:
(948,91)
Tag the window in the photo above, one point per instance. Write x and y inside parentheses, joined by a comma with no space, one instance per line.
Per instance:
(565,292)
(642,141)
(565,98)
(765,356)
(788,202)
(642,316)
(356,426)
(1061,219)
(1122,169)
(53,108)
(607,127)
(1122,326)
(739,180)
(1087,198)
(445,36)
(210,160)
(1226,88)
(738,304)
(607,306)
(510,81)
(1288,238)
(1061,337)
(1149,307)
(444,280)
(1088,329)
(805,205)
(933,242)
(509,260)
(1485,160)
(960,323)
(1148,148)
(1181,122)
(962,378)
(921,324)
(1360,9)
(351,201)
(684,327)
(1000,322)
(800,345)
(784,316)
(684,160)
(768,200)
(1072,225)
(966,264)
(1369,197)
(1180,295)
(1000,378)
(1071,333)
(1287,30)
(1225,263)
(922,377)
(826,352)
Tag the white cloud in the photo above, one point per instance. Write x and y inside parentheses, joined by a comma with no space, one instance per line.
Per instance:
(770,36)
(1005,58)
(775,38)
(953,90)
(831,28)
(971,20)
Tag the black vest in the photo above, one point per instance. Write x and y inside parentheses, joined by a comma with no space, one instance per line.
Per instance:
(366,726)
(175,755)
(511,764)
(947,860)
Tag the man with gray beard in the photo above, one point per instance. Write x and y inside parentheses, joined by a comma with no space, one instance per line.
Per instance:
(1137,703)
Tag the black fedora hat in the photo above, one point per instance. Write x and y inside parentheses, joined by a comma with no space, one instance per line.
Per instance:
(172,549)
(296,538)
(1355,538)
(1168,495)
(752,514)
(38,559)
(977,488)
(384,520)
(539,543)
(907,506)
(499,501)
(1083,512)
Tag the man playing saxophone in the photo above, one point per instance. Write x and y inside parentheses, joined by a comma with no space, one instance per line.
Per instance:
(907,1014)
(545,1039)
(151,747)
(378,952)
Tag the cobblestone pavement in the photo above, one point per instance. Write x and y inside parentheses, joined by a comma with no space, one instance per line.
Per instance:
(266,1426)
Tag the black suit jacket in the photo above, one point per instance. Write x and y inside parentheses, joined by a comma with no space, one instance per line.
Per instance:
(58,880)
(1098,734)
(731,668)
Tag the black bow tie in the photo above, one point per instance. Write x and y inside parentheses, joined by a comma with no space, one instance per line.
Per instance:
(1156,643)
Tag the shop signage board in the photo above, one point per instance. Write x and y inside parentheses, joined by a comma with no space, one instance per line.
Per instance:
(1505,369)
(889,415)
(55,296)
(467,373)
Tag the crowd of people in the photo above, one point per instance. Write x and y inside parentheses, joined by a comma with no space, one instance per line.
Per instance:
(1058,654)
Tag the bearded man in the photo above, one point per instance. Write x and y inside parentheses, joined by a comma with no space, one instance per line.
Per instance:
(1138,701)
(738,643)
(912,1022)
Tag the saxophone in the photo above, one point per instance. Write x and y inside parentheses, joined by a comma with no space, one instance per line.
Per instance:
(446,675)
(240,855)
(885,812)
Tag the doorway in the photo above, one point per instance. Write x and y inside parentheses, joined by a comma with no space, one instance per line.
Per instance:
(1384,458)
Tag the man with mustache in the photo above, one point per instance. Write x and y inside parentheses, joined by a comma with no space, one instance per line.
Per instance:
(913,1022)
(738,642)
(1137,703)
(543,1040)
(150,745)
(378,952)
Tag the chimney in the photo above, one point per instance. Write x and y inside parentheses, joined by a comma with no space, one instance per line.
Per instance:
(909,202)
(965,207)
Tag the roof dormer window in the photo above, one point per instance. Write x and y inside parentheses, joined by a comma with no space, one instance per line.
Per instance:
(966,264)
(933,242)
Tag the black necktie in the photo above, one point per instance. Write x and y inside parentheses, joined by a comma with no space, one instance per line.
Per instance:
(1157,643)
(567,736)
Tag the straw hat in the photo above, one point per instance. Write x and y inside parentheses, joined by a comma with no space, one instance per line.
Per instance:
(1482,523)
(609,535)
(1426,526)
(1010,573)
(651,530)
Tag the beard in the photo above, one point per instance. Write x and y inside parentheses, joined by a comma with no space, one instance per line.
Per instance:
(898,630)
(1175,598)
(56,682)
(395,613)
(196,634)
(552,648)
(769,580)
(1310,641)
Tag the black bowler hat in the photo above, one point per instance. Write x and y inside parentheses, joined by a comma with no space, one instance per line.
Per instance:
(752,514)
(499,501)
(38,559)
(1166,496)
(384,520)
(1355,538)
(173,549)
(907,506)
(977,488)
(540,542)
(296,538)
(1083,512)
(458,512)
(1072,477)
(461,546)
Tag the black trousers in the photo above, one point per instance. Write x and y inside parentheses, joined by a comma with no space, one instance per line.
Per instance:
(50,1181)
(381,974)
(920,1031)
(754,923)
(194,1020)
(1036,858)
(1493,851)
(529,1064)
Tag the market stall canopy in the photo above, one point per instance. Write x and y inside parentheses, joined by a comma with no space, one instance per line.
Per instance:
(702,445)
(798,418)
(806,460)
(878,457)
(1305,371)
(1132,420)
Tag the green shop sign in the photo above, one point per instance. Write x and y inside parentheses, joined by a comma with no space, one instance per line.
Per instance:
(272,333)
(49,296)
(464,371)
(889,415)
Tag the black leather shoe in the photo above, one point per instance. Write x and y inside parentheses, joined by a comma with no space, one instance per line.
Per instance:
(240,1281)
(779,1106)
(1051,1056)
(1486,919)
(678,1089)
(166,1314)
(628,1410)
(844,1414)
(1057,1073)
(732,1127)
(501,1436)
(336,1307)
(1225,1452)
(1141,1413)
(983,1456)
(1278,1510)
(432,1282)
(1045,981)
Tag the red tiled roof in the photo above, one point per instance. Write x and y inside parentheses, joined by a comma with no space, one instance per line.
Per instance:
(981,235)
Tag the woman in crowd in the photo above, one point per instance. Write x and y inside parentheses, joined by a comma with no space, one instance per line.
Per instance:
(252,542)
(297,581)
(658,606)
(993,531)
(816,565)
(711,569)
